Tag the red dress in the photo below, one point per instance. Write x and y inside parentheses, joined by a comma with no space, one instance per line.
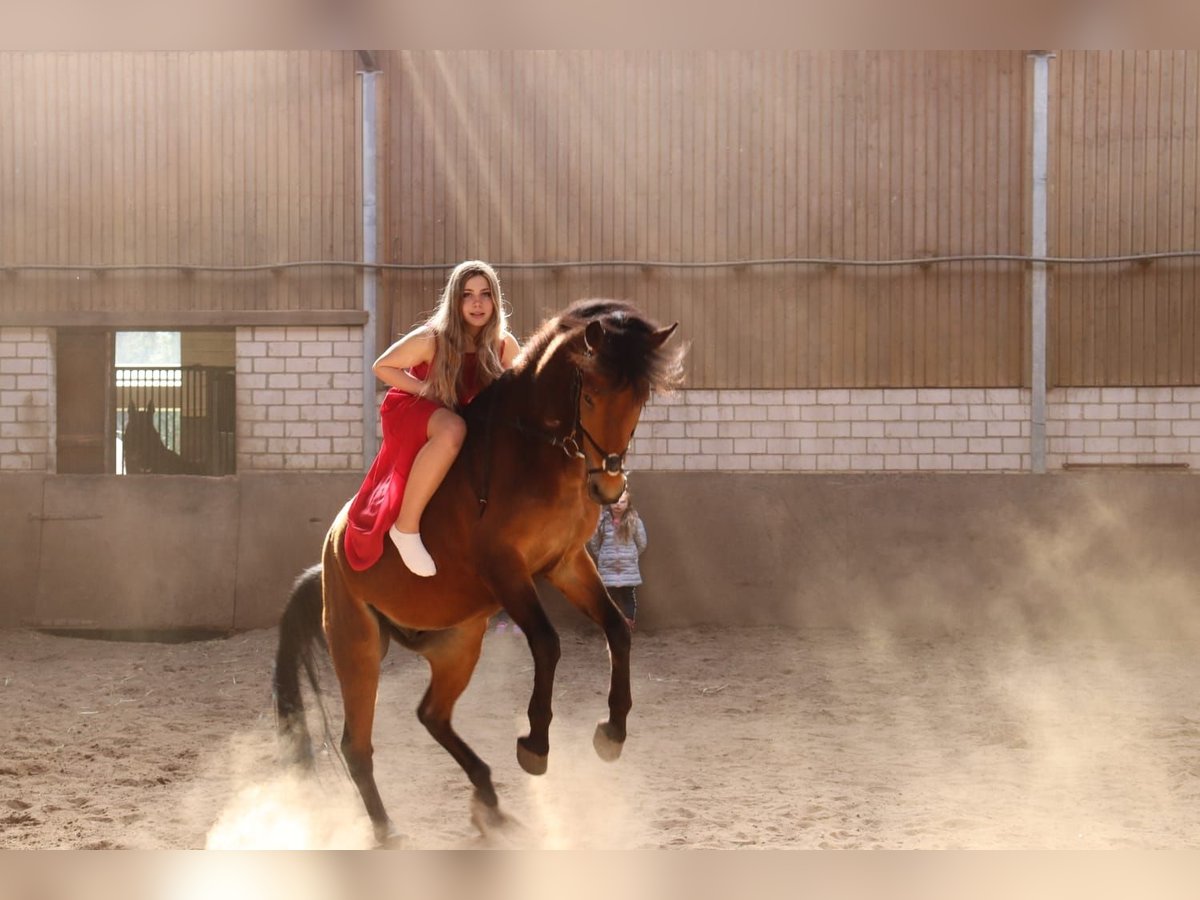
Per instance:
(405,419)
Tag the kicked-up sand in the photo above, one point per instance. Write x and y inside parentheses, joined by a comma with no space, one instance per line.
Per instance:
(739,737)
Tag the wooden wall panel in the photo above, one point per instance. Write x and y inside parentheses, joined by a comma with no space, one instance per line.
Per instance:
(253,157)
(1124,165)
(702,156)
(236,158)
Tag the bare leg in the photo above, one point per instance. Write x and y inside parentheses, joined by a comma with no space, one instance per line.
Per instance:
(446,433)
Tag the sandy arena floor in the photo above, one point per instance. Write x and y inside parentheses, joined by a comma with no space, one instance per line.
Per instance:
(752,737)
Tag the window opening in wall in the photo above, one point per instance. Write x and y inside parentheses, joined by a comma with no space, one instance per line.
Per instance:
(174,402)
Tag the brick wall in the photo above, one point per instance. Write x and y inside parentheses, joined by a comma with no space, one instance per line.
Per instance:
(299,398)
(26,400)
(913,430)
(1123,425)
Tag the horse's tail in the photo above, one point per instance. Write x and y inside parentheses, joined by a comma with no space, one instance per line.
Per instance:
(299,631)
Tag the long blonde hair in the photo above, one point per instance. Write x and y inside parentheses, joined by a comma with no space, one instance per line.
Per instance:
(452,341)
(624,531)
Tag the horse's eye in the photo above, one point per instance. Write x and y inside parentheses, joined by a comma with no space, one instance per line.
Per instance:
(587,398)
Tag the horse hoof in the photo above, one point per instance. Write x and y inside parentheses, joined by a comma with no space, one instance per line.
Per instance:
(485,817)
(295,749)
(607,747)
(301,762)
(387,837)
(533,763)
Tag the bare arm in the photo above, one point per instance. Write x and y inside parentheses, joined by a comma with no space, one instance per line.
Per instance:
(509,350)
(411,350)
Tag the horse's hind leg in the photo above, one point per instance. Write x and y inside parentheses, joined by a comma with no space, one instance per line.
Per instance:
(356,646)
(452,657)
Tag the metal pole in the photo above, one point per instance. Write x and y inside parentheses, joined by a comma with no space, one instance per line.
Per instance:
(1037,284)
(370,276)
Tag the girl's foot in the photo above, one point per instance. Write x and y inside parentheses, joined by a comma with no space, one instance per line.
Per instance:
(413,552)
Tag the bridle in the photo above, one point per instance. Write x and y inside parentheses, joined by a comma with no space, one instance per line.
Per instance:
(571,443)
(572,446)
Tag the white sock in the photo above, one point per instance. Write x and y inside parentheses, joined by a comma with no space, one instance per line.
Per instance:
(413,552)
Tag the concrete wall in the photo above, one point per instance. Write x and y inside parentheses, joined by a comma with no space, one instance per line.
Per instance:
(1117,549)
(1110,550)
(20,545)
(159,552)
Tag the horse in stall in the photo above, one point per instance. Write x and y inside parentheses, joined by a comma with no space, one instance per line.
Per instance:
(545,446)
(144,451)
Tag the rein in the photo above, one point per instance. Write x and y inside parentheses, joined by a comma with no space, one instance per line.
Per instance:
(570,443)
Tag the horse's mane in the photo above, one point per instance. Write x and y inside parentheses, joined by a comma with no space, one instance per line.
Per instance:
(628,355)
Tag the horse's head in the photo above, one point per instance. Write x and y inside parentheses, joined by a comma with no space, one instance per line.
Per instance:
(618,358)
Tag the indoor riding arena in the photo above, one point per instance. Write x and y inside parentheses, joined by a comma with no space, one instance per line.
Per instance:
(921,567)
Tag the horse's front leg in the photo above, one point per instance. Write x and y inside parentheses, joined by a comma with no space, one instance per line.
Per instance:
(580,583)
(514,588)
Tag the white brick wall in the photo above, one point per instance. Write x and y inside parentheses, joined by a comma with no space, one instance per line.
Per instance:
(300,401)
(299,398)
(1123,425)
(913,430)
(26,400)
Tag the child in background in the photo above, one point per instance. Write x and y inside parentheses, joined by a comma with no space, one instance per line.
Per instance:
(619,541)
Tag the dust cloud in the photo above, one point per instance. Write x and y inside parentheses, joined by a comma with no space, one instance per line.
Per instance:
(1035,693)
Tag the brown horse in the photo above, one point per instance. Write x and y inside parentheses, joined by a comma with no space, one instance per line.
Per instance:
(545,445)
(143,448)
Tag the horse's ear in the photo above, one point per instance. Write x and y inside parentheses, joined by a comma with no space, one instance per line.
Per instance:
(130,411)
(150,408)
(593,336)
(660,337)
